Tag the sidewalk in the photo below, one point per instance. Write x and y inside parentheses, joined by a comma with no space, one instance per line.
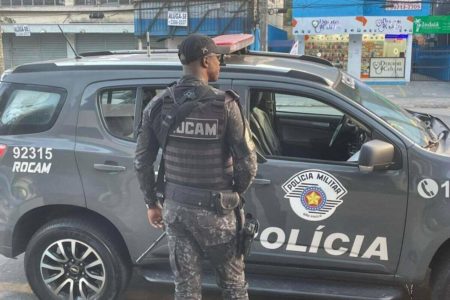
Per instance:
(418,94)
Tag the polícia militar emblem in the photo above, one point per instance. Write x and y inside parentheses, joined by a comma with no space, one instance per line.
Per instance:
(314,195)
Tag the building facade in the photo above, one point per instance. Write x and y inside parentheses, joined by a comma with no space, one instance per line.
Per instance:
(371,41)
(172,20)
(29,28)
(431,47)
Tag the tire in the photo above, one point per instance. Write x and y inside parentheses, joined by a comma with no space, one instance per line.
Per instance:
(76,253)
(440,279)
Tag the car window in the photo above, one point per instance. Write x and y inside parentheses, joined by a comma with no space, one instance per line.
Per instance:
(305,105)
(117,106)
(26,109)
(396,116)
(293,125)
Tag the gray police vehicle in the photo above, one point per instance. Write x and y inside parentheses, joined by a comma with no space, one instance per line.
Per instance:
(352,192)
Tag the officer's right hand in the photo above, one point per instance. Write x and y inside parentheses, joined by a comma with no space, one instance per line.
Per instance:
(155,217)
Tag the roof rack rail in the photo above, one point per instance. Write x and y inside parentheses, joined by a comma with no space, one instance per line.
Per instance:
(290,73)
(316,60)
(102,53)
(119,52)
(287,55)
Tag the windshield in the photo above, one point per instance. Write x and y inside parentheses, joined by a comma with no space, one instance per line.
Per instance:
(396,116)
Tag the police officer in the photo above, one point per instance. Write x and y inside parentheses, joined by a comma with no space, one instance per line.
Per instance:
(208,153)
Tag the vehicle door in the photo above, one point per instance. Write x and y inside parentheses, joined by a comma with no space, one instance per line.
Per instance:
(317,211)
(109,116)
(37,139)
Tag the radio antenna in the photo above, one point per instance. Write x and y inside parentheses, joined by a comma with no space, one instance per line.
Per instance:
(77,56)
(148,44)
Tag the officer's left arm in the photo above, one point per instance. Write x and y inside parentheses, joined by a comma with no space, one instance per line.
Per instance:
(241,145)
(146,152)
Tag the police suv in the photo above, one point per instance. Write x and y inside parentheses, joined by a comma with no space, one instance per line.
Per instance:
(352,192)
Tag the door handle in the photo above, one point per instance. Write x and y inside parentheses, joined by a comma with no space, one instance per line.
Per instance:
(261,181)
(109,168)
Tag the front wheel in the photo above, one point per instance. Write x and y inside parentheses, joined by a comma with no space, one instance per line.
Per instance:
(75,259)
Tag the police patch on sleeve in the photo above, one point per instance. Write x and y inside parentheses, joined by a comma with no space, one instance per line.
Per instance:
(314,195)
(200,129)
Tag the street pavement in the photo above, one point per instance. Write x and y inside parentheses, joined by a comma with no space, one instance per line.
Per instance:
(425,96)
(14,286)
(431,97)
(422,96)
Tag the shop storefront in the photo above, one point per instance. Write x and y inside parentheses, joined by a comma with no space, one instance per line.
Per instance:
(371,48)
(333,48)
(379,49)
(431,56)
(39,42)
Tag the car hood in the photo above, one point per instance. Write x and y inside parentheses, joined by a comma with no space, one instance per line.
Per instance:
(441,128)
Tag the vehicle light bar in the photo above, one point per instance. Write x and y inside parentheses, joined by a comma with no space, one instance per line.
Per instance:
(233,42)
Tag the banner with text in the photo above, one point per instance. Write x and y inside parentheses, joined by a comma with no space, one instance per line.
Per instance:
(403,5)
(387,67)
(432,24)
(22,30)
(177,18)
(353,25)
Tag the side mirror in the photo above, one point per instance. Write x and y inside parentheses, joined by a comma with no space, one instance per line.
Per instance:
(375,155)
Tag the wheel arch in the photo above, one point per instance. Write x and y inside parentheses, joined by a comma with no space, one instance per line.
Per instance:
(442,252)
(34,219)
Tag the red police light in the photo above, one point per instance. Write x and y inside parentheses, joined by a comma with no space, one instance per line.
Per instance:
(233,42)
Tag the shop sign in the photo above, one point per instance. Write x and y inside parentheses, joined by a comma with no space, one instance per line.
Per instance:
(177,18)
(353,25)
(387,67)
(403,5)
(22,30)
(432,24)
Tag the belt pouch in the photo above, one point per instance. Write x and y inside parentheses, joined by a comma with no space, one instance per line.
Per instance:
(226,202)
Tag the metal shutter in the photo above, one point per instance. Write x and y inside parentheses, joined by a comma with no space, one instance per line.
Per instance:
(53,46)
(105,41)
(37,47)
(7,50)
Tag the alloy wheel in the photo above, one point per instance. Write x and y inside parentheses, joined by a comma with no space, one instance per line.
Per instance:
(73,270)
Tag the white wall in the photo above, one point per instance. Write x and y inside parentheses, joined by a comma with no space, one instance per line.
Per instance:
(354,55)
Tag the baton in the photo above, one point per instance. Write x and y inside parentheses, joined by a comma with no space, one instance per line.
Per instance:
(151,247)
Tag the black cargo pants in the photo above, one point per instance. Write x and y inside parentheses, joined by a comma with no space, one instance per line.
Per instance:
(194,232)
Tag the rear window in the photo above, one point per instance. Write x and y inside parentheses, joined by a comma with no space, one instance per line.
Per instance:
(26,109)
(117,107)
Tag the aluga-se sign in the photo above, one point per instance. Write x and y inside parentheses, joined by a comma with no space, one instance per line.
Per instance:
(177,18)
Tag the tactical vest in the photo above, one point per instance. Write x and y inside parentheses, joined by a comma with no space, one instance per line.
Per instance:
(196,154)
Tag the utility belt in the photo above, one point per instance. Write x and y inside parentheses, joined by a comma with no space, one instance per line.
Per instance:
(221,202)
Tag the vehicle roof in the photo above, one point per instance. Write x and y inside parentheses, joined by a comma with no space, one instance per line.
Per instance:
(294,66)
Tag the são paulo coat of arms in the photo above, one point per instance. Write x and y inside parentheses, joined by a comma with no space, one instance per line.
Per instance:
(314,195)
